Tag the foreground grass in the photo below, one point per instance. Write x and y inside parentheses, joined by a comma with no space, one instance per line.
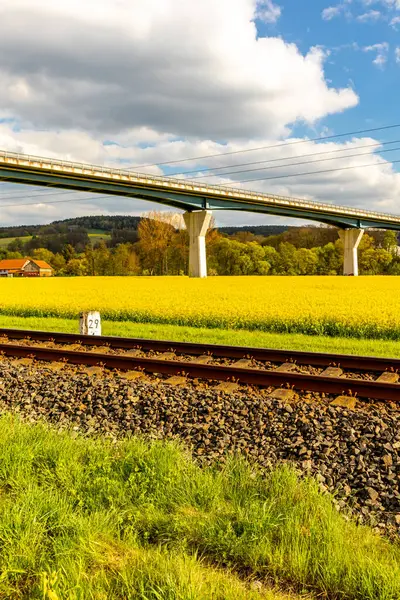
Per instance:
(285,341)
(83,518)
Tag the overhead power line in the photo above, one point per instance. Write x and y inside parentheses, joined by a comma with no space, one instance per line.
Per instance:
(273,160)
(103,197)
(49,193)
(279,145)
(291,175)
(229,184)
(304,162)
(393,162)
(39,195)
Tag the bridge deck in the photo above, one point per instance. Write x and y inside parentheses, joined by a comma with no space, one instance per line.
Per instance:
(180,193)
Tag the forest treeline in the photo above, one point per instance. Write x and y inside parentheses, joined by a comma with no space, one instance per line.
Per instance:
(101,222)
(158,245)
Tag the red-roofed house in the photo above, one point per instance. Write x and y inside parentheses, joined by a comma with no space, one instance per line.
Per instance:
(25,267)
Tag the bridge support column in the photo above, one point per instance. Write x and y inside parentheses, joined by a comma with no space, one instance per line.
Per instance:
(197,223)
(350,238)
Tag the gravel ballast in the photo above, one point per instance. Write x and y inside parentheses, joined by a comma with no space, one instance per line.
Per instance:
(353,453)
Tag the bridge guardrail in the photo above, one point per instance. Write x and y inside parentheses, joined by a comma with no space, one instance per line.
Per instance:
(175,183)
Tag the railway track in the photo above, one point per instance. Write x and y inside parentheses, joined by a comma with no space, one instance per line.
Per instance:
(366,377)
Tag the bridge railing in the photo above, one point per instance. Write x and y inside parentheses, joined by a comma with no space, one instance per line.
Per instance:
(19,159)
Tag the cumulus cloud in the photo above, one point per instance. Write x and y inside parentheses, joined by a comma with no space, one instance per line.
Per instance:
(130,83)
(268,11)
(381,50)
(197,69)
(331,12)
(391,4)
(395,4)
(370,16)
(336,10)
(349,9)
(397,54)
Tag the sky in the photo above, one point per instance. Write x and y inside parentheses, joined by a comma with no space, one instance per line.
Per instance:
(129,83)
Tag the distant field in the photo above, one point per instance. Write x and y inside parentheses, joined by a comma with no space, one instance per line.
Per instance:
(362,307)
(97,232)
(5,241)
(96,235)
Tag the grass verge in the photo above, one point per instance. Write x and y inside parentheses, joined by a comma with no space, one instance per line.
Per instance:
(84,518)
(232,337)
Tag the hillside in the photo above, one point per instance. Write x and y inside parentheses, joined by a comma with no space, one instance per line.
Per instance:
(106,223)
(99,224)
(264,230)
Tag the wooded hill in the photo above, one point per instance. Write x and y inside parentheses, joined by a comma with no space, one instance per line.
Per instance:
(103,223)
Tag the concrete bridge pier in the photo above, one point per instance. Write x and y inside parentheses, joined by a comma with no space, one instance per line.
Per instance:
(350,238)
(197,223)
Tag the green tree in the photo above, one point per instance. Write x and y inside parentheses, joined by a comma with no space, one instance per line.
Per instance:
(44,254)
(68,252)
(75,267)
(374,261)
(89,256)
(271,256)
(102,260)
(287,259)
(390,242)
(14,255)
(17,245)
(306,261)
(125,260)
(58,263)
(224,257)
(330,258)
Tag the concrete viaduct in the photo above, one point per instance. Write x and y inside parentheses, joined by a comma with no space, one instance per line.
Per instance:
(198,200)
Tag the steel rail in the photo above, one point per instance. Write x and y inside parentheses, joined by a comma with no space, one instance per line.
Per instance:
(318,359)
(258,377)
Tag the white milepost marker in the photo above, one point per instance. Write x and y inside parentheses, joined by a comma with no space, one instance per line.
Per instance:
(90,323)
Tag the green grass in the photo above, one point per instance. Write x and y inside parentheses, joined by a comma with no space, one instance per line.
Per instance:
(97,236)
(94,235)
(98,232)
(84,518)
(287,341)
(5,241)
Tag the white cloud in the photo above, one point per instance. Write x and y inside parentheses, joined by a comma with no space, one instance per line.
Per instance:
(397,54)
(370,16)
(331,12)
(196,69)
(390,4)
(395,4)
(268,11)
(394,22)
(381,50)
(163,80)
(343,8)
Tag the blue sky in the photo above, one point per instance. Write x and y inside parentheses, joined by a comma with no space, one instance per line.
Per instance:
(123,82)
(346,37)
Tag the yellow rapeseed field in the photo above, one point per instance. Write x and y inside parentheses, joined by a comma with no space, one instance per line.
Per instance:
(359,307)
